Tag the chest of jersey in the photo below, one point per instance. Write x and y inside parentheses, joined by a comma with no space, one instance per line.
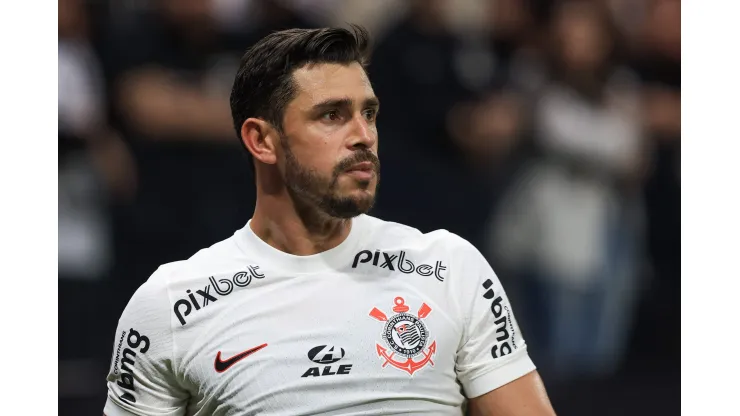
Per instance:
(335,343)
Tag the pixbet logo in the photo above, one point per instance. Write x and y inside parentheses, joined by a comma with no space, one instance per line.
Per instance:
(402,263)
(223,287)
(326,354)
(504,339)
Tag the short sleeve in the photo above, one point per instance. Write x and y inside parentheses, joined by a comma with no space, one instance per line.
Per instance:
(141,380)
(493,352)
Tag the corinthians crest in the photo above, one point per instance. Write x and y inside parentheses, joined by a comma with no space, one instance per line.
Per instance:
(406,335)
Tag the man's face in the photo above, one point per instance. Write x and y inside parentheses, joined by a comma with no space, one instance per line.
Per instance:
(330,142)
(584,42)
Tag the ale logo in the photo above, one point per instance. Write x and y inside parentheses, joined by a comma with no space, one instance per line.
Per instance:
(326,354)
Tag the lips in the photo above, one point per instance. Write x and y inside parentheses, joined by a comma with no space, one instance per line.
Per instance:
(363,171)
(361,167)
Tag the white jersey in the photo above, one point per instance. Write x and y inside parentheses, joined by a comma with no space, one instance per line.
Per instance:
(391,321)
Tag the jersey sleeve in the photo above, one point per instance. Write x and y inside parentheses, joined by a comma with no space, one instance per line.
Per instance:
(141,380)
(493,351)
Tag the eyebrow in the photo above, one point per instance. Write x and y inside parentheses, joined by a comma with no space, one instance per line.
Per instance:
(345,102)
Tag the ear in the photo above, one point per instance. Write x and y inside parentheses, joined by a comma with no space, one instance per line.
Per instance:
(259,137)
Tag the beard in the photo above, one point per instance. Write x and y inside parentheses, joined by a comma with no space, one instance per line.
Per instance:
(309,188)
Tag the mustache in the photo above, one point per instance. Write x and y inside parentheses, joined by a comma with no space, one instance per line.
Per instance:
(358,157)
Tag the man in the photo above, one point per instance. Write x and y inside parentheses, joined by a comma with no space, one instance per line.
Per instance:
(315,307)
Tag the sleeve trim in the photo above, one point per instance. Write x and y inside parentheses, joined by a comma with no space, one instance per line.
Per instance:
(114,409)
(499,376)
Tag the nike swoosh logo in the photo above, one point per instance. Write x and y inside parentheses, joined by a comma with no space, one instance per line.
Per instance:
(223,365)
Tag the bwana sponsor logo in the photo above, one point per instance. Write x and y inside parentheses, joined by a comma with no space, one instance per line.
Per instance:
(223,287)
(134,341)
(406,335)
(505,332)
(399,262)
(326,354)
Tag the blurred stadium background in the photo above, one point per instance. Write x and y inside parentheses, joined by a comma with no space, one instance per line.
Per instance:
(546,132)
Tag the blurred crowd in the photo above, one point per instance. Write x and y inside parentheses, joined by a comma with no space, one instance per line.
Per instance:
(546,132)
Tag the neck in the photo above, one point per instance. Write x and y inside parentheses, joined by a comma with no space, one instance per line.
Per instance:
(294,228)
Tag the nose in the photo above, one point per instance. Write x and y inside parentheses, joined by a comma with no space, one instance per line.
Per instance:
(363,134)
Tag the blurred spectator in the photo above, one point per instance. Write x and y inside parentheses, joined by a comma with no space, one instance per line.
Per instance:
(96,170)
(418,71)
(171,69)
(88,151)
(657,45)
(571,227)
(510,26)
(266,16)
(658,62)
(416,62)
(83,244)
(489,131)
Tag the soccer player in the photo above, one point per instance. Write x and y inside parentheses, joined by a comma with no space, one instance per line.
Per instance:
(315,307)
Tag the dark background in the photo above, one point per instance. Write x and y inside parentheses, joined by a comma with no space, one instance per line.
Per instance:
(545,132)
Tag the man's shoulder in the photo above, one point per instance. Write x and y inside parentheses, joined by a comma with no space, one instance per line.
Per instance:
(384,231)
(400,247)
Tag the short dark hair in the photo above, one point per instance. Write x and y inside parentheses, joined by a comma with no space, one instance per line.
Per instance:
(264,85)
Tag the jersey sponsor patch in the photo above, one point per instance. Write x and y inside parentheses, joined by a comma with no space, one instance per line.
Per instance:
(399,262)
(505,332)
(326,354)
(136,342)
(406,335)
(222,287)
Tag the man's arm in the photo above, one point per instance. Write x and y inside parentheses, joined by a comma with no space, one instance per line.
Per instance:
(156,103)
(492,363)
(525,396)
(142,379)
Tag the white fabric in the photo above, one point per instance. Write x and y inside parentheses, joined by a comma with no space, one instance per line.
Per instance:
(306,305)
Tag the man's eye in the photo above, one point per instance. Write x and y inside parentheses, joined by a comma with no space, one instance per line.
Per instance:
(331,115)
(370,114)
